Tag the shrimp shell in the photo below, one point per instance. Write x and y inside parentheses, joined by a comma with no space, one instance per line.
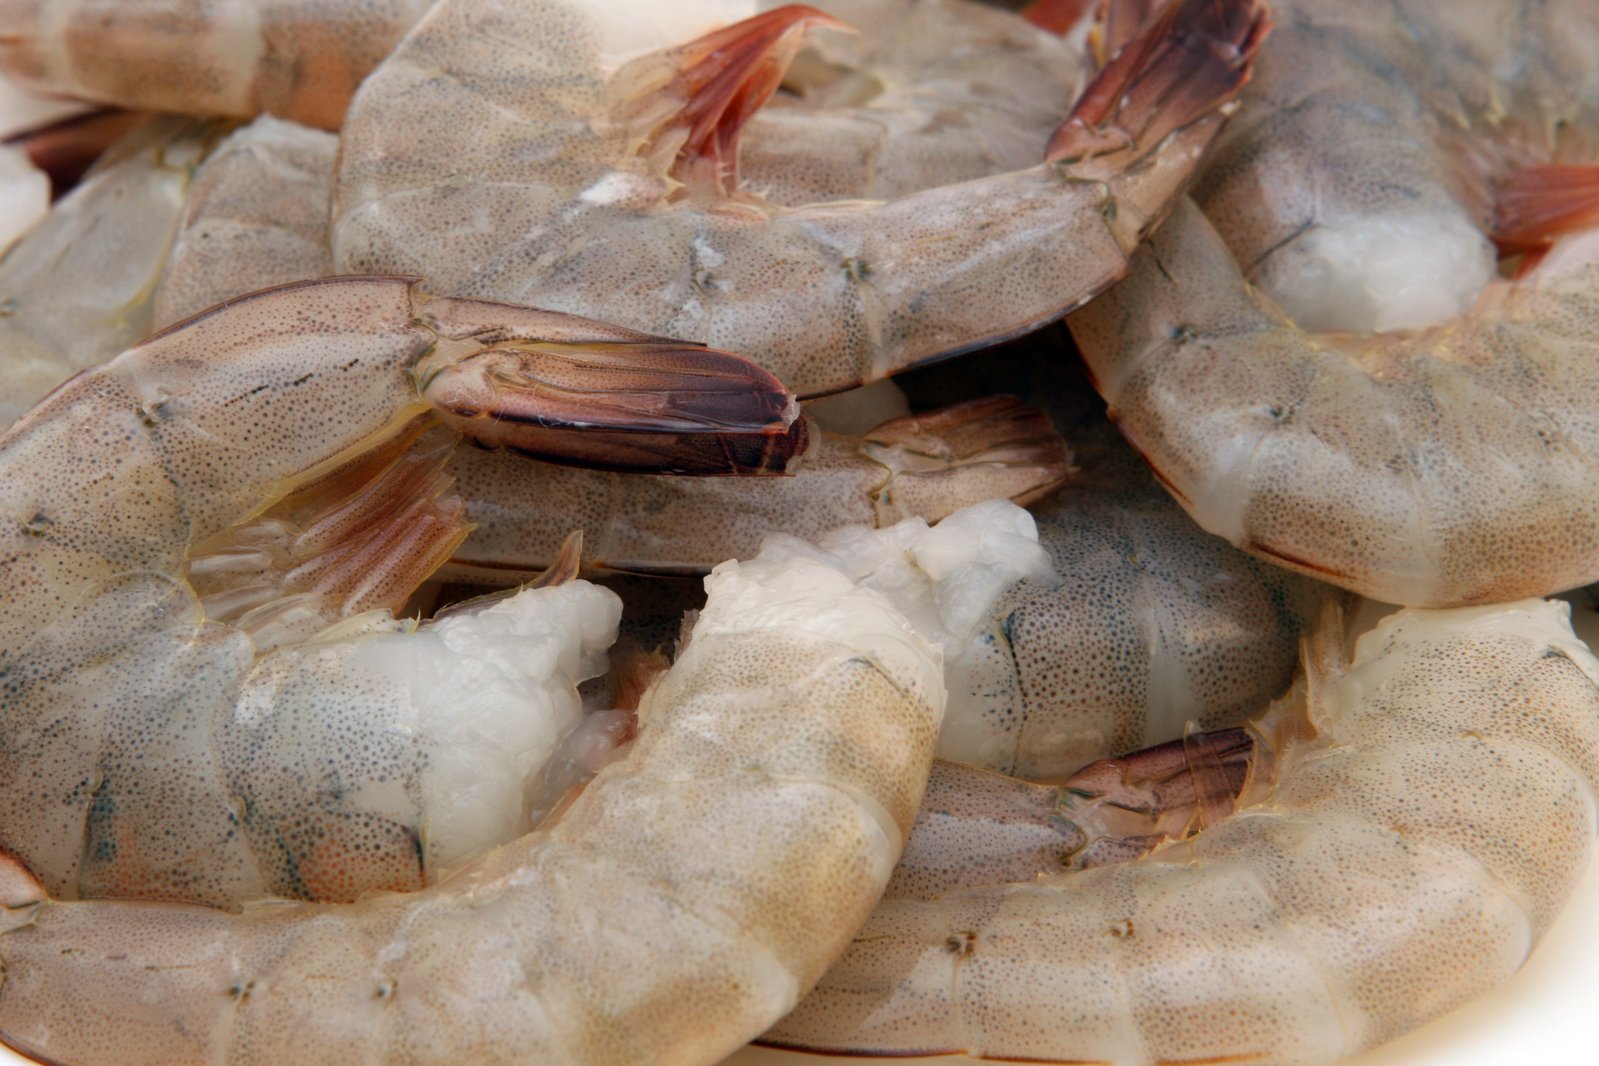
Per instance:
(1405,862)
(576,204)
(681,903)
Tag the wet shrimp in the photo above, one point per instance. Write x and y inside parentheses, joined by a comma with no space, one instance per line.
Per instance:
(608,182)
(679,905)
(289,58)
(256,217)
(76,290)
(925,466)
(1392,415)
(1154,626)
(207,539)
(1396,852)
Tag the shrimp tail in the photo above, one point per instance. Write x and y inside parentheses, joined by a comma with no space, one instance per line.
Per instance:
(724,78)
(1176,80)
(1127,806)
(1536,206)
(586,394)
(1012,447)
(65,149)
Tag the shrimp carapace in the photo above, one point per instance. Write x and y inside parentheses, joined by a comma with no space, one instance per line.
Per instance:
(577,208)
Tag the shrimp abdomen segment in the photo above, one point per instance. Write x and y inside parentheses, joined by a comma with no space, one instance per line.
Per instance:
(1405,863)
(1422,472)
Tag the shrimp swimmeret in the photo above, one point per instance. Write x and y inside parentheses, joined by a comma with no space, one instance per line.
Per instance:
(684,900)
(607,186)
(1398,857)
(1397,417)
(182,519)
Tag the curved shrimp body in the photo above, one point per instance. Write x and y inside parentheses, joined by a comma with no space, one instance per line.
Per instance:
(182,521)
(1153,625)
(255,216)
(1444,466)
(1404,862)
(1396,417)
(607,184)
(922,95)
(684,901)
(925,466)
(289,58)
(1358,184)
(77,288)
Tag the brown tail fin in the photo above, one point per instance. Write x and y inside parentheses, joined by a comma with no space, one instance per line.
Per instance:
(983,449)
(1181,68)
(1056,16)
(725,77)
(580,393)
(1128,805)
(1537,206)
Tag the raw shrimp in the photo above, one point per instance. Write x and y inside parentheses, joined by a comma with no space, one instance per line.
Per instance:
(924,466)
(1393,416)
(1452,464)
(921,95)
(603,179)
(299,59)
(680,904)
(1407,858)
(76,290)
(256,216)
(1153,625)
(202,537)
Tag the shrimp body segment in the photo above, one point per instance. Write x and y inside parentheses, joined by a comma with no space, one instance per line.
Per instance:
(179,522)
(1450,465)
(608,187)
(1405,861)
(1154,625)
(292,58)
(683,902)
(255,216)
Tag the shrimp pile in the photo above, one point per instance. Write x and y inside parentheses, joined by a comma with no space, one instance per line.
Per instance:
(675,909)
(254,808)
